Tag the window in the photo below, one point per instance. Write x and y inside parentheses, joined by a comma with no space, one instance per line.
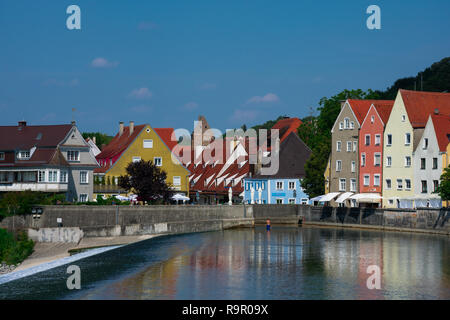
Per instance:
(177,181)
(52,176)
(424,186)
(304,201)
(63,176)
(407,161)
(41,176)
(2,156)
(148,144)
(399,184)
(279,201)
(349,146)
(388,161)
(372,119)
(354,146)
(24,155)
(423,163)
(341,125)
(83,177)
(435,163)
(83,197)
(407,139)
(338,146)
(376,180)
(347,123)
(291,201)
(408,184)
(338,165)
(377,139)
(367,140)
(366,180)
(73,155)
(389,140)
(363,160)
(435,185)
(353,166)
(136,159)
(353,185)
(388,184)
(291,185)
(342,185)
(352,125)
(377,159)
(403,118)
(425,143)
(157,161)
(280,185)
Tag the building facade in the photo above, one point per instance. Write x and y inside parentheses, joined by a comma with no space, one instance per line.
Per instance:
(53,158)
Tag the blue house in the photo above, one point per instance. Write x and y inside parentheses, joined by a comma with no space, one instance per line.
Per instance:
(284,187)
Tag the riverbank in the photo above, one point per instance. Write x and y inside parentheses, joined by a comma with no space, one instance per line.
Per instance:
(49,252)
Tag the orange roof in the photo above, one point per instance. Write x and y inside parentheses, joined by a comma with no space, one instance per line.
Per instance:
(286,126)
(441,125)
(166,134)
(361,107)
(420,105)
(119,143)
(384,110)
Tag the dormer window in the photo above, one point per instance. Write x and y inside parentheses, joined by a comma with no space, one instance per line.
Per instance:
(73,155)
(24,155)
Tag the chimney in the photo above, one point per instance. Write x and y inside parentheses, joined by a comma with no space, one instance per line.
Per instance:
(73,123)
(94,140)
(131,127)
(120,128)
(22,124)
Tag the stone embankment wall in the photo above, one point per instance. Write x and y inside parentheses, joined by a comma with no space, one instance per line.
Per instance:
(97,221)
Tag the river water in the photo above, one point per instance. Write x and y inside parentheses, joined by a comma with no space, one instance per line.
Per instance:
(285,263)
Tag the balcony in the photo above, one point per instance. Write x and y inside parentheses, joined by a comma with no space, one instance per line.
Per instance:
(33,186)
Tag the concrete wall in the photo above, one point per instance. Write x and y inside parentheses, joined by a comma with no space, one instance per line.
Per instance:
(66,235)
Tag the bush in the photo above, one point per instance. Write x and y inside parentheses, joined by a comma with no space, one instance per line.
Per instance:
(13,250)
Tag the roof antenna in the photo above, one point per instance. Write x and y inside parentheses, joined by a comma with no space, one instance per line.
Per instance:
(73,114)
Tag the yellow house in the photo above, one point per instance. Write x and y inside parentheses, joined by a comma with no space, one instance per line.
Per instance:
(326,175)
(136,143)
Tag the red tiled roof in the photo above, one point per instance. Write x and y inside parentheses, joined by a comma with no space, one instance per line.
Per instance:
(420,105)
(119,143)
(286,126)
(441,125)
(166,135)
(361,107)
(384,110)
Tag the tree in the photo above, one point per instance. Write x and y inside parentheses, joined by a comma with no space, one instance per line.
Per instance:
(444,187)
(314,181)
(147,180)
(101,138)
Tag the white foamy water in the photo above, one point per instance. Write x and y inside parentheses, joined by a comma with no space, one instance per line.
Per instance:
(53,264)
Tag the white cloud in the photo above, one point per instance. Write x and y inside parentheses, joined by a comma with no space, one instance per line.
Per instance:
(147,25)
(241,116)
(141,93)
(190,106)
(270,97)
(103,63)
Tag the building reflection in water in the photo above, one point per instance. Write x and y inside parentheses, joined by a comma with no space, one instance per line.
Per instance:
(292,263)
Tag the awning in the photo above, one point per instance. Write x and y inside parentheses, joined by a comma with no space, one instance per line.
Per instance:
(344,197)
(329,196)
(367,197)
(242,194)
(316,199)
(179,196)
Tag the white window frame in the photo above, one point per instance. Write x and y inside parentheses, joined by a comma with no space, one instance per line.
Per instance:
(24,155)
(399,184)
(81,177)
(425,144)
(347,123)
(136,159)
(372,119)
(406,184)
(377,139)
(349,146)
(338,165)
(375,177)
(344,181)
(353,166)
(42,176)
(407,135)
(291,201)
(52,175)
(73,155)
(353,185)
(282,185)
(365,140)
(338,146)
(377,155)
(147,143)
(341,125)
(289,185)
(388,161)
(387,140)
(86,197)
(363,159)
(355,145)
(175,178)
(279,201)
(407,161)
(388,186)
(366,180)
(63,176)
(352,125)
(154,161)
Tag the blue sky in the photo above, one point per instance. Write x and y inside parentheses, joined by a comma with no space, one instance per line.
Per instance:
(166,62)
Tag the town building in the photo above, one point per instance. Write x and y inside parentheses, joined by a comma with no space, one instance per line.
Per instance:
(47,158)
(284,187)
(371,148)
(93,145)
(430,158)
(402,135)
(345,160)
(135,143)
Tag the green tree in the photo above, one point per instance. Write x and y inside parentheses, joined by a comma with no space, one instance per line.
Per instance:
(444,187)
(101,138)
(147,180)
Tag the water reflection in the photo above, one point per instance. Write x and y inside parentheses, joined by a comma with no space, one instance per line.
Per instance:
(285,263)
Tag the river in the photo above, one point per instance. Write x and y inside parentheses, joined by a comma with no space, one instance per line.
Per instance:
(285,263)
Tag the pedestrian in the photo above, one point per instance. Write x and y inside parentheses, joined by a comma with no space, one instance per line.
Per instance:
(268,225)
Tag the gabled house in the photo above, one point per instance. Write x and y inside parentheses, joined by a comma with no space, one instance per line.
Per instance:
(402,135)
(430,158)
(135,143)
(345,159)
(371,147)
(49,158)
(284,187)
